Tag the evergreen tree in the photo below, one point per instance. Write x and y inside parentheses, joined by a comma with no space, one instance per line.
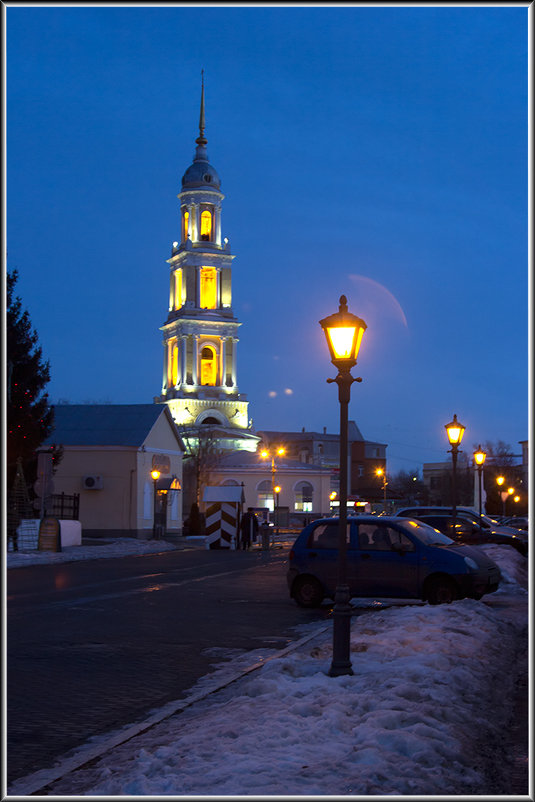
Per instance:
(29,417)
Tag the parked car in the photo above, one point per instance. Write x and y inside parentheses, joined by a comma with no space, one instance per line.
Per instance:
(467,530)
(489,527)
(517,523)
(387,557)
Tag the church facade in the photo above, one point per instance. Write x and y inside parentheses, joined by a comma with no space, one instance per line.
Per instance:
(200,335)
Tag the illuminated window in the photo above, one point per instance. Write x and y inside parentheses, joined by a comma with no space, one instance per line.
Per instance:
(208,288)
(208,366)
(265,495)
(185,226)
(178,288)
(303,497)
(206,225)
(172,363)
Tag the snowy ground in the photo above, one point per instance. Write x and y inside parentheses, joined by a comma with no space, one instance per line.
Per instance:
(427,712)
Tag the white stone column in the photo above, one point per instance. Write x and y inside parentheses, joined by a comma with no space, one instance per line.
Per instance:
(165,363)
(223,361)
(195,358)
(184,364)
(234,360)
(217,225)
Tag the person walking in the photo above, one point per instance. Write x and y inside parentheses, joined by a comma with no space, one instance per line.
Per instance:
(248,529)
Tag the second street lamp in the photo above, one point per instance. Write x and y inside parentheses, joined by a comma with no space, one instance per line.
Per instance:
(155,473)
(479,458)
(381,472)
(455,431)
(344,333)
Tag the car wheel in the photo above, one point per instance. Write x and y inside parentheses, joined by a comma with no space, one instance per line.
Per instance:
(307,591)
(441,591)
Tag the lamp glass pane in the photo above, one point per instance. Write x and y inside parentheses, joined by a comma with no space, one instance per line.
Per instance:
(342,341)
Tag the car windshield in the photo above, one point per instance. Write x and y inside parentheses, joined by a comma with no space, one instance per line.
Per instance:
(426,534)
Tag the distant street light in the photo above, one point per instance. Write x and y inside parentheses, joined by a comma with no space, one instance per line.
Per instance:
(381,472)
(455,431)
(479,458)
(155,473)
(343,332)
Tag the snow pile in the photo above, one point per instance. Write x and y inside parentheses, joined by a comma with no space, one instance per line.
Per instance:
(420,715)
(119,547)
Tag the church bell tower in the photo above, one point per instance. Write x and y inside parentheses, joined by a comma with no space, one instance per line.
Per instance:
(200,335)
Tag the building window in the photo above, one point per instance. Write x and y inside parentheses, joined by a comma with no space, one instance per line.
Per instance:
(304,493)
(360,471)
(185,226)
(206,225)
(208,366)
(265,495)
(178,289)
(208,288)
(174,364)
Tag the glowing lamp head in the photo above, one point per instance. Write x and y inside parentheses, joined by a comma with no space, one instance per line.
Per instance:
(479,456)
(264,454)
(500,480)
(155,473)
(333,495)
(343,332)
(455,431)
(516,498)
(277,489)
(510,490)
(281,452)
(379,472)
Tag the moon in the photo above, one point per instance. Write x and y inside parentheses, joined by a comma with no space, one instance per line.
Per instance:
(377,297)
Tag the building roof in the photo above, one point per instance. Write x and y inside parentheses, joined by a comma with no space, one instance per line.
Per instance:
(107,424)
(248,460)
(354,434)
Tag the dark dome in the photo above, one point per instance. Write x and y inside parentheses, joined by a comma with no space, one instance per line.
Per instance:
(200,174)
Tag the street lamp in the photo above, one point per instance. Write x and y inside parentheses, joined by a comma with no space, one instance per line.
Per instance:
(455,431)
(344,333)
(382,472)
(479,458)
(499,481)
(266,454)
(155,473)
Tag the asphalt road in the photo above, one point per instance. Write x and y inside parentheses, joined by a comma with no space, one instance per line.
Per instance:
(95,645)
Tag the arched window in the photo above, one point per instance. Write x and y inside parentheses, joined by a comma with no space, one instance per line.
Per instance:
(230,483)
(174,364)
(208,288)
(304,493)
(178,288)
(206,225)
(185,226)
(265,495)
(208,366)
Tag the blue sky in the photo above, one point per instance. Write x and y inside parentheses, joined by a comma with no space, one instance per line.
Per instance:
(379,152)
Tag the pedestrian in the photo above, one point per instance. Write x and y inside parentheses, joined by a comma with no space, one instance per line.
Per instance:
(248,529)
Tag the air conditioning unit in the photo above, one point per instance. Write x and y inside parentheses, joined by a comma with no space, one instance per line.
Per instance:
(92,482)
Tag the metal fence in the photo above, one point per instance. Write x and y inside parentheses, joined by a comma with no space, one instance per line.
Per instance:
(61,505)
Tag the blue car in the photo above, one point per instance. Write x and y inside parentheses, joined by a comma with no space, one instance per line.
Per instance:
(387,557)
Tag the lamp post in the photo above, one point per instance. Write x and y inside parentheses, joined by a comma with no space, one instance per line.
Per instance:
(276,490)
(381,472)
(155,473)
(344,333)
(479,458)
(503,494)
(455,431)
(266,454)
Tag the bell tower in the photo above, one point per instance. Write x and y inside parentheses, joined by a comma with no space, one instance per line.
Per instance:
(200,335)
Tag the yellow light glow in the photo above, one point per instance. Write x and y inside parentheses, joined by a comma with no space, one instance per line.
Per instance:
(379,471)
(174,364)
(155,473)
(277,489)
(342,341)
(510,490)
(500,480)
(186,225)
(455,431)
(206,225)
(281,452)
(208,366)
(516,498)
(479,456)
(208,288)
